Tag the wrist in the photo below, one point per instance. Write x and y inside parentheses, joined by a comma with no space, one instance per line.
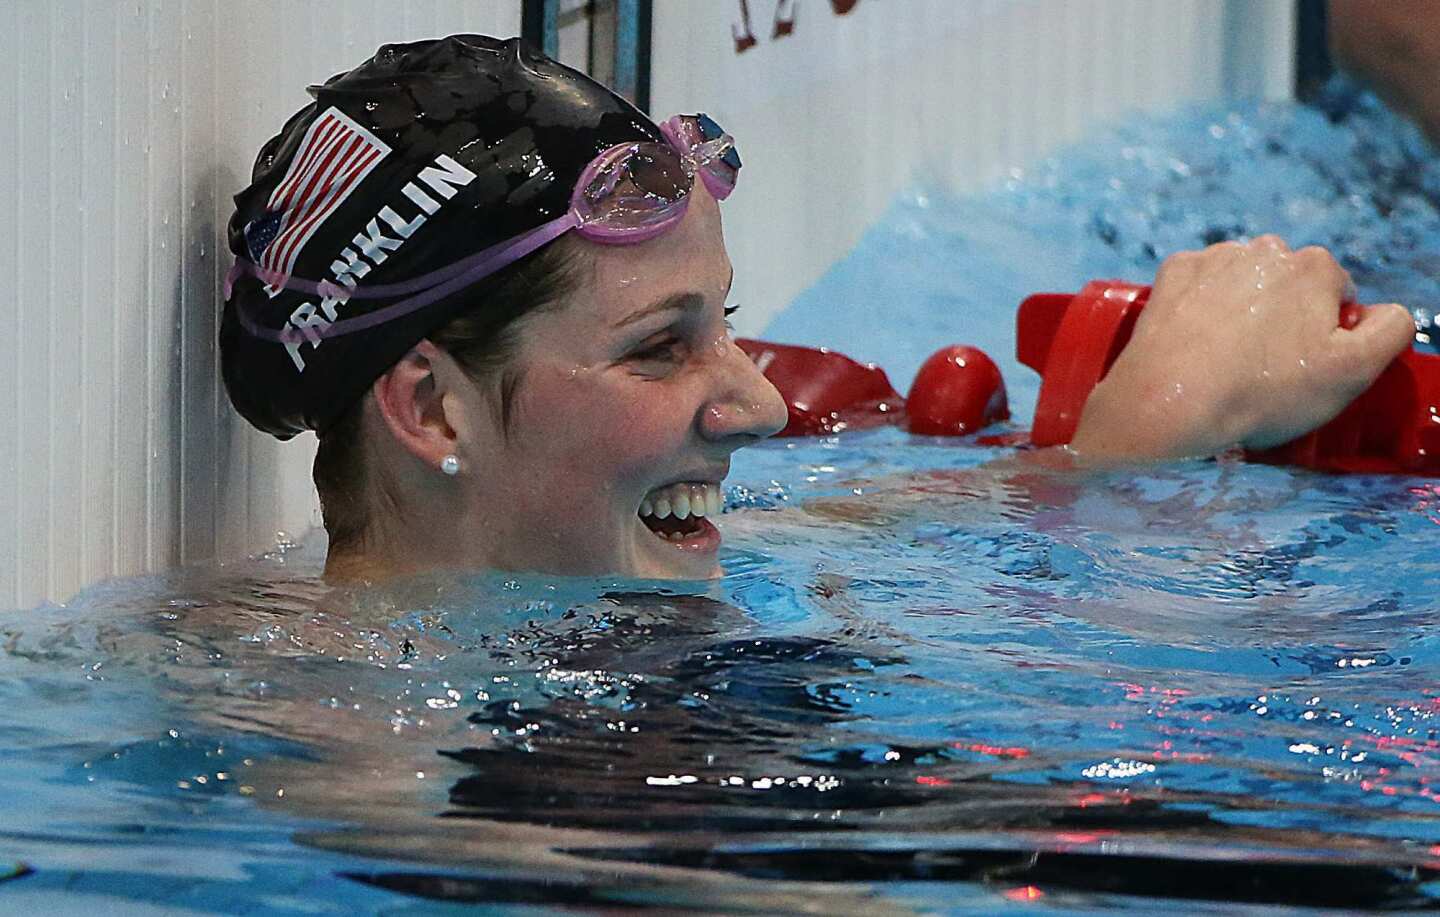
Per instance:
(1154,420)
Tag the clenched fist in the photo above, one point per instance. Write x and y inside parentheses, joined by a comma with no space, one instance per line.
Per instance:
(1239,344)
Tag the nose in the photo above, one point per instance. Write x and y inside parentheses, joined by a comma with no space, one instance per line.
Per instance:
(745,406)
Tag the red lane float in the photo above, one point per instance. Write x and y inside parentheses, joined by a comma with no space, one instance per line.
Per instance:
(958,390)
(1072,340)
(826,392)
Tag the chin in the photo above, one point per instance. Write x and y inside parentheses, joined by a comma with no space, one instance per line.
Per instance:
(676,569)
(707,572)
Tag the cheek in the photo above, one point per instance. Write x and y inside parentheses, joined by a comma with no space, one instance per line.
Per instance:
(610,428)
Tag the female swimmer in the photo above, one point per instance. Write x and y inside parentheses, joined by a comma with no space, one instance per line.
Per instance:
(496,291)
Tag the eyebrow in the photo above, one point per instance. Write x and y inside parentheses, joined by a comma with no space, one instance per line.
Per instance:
(676,302)
(672,303)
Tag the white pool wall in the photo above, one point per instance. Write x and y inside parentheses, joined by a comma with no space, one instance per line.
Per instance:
(125,128)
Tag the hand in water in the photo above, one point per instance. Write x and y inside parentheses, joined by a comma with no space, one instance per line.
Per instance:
(1238,345)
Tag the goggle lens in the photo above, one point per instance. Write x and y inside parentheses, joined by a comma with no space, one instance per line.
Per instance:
(636,190)
(713,149)
(639,187)
(709,130)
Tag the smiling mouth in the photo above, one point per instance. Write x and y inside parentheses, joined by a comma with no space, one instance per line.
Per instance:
(677,512)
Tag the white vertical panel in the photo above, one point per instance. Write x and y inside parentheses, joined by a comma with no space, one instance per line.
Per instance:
(984,46)
(164,403)
(94,462)
(64,421)
(129,235)
(32,289)
(10,344)
(237,108)
(198,277)
(1134,51)
(1014,43)
(1259,40)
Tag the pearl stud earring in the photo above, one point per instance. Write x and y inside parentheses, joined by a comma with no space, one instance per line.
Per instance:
(450,464)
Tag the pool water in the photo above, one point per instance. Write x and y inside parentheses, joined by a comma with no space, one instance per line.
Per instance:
(934,679)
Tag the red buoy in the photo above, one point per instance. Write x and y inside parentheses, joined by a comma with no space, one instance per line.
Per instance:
(957,391)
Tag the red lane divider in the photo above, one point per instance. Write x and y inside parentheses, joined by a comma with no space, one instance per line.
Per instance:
(1072,340)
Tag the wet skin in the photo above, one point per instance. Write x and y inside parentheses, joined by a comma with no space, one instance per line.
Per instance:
(1240,345)
(632,385)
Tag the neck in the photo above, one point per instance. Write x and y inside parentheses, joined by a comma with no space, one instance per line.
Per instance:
(414,537)
(348,568)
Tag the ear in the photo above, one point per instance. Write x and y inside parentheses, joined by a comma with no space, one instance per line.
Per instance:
(417,401)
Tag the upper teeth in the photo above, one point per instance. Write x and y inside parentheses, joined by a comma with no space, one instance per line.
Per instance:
(683,500)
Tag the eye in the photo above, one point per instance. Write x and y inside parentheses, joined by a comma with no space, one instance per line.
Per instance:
(667,349)
(729,311)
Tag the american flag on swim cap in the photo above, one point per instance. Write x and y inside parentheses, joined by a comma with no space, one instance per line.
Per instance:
(333,158)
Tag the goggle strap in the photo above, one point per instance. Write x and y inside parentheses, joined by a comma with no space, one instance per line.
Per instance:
(435,285)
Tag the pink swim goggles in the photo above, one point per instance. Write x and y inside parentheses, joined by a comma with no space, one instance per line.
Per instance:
(629,193)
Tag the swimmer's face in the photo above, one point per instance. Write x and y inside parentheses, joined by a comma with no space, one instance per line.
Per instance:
(631,396)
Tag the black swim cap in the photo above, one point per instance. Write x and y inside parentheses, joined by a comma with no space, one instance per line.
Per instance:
(424,154)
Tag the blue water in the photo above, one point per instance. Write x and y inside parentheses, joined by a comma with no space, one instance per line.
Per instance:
(931,680)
